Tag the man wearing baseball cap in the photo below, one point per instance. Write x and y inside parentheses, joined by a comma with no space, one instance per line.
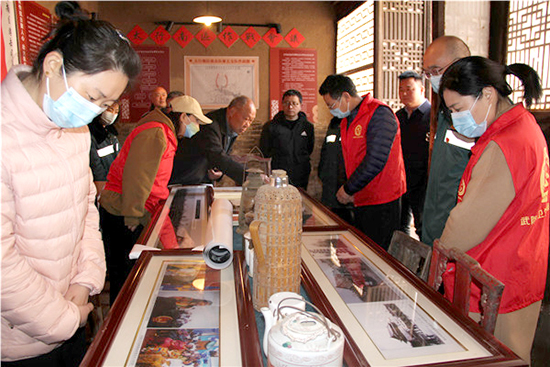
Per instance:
(137,183)
(189,114)
(206,156)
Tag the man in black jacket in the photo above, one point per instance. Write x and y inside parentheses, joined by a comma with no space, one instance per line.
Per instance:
(414,120)
(288,140)
(205,156)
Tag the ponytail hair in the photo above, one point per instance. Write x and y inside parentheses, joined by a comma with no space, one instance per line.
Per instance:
(468,76)
(532,89)
(88,46)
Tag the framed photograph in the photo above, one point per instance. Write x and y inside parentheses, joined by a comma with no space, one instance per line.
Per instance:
(389,317)
(215,80)
(175,311)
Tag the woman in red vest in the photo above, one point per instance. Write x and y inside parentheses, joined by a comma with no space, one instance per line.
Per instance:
(501,218)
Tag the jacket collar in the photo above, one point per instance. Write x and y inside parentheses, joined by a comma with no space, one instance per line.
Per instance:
(18,100)
(157,115)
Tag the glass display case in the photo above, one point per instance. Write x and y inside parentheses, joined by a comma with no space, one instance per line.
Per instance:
(175,311)
(389,316)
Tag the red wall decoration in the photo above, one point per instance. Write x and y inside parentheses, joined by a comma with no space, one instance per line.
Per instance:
(294,38)
(33,24)
(250,37)
(292,68)
(160,35)
(183,36)
(155,71)
(272,38)
(228,36)
(206,36)
(137,35)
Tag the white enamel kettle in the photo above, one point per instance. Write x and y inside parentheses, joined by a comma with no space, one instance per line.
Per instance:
(287,303)
(305,339)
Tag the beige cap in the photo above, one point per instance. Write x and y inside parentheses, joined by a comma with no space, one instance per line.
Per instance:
(188,104)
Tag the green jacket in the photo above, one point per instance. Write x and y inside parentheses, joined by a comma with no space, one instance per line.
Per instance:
(446,169)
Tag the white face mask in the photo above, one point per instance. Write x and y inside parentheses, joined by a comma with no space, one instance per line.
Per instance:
(465,123)
(435,80)
(71,109)
(108,117)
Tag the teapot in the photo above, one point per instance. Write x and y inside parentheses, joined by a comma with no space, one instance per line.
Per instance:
(305,339)
(287,303)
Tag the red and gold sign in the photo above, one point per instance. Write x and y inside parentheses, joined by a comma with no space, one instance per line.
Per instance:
(182,36)
(205,36)
(228,36)
(160,35)
(137,35)
(272,38)
(250,37)
(294,38)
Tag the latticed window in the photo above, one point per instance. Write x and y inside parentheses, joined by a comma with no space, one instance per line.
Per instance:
(399,31)
(355,47)
(529,43)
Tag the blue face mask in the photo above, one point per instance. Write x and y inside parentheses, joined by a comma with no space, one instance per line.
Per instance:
(465,124)
(71,109)
(435,80)
(336,112)
(191,129)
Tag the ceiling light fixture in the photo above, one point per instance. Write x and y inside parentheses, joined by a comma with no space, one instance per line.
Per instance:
(207,19)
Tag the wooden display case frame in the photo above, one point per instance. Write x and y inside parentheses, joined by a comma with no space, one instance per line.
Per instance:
(238,337)
(481,348)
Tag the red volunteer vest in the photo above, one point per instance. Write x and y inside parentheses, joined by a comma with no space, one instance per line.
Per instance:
(159,190)
(516,250)
(390,183)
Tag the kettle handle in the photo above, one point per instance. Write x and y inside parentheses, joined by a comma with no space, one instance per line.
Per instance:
(321,318)
(255,234)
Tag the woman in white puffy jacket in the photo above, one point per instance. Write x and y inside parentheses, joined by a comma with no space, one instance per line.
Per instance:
(52,253)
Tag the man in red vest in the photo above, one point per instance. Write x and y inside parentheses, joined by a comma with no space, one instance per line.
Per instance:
(371,145)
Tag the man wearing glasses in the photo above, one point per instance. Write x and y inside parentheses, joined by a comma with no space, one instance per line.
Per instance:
(288,139)
(373,158)
(449,150)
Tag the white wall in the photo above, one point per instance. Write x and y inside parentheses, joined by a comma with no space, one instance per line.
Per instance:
(469,20)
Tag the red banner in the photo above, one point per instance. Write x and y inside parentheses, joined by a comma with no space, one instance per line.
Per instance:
(291,68)
(33,24)
(155,72)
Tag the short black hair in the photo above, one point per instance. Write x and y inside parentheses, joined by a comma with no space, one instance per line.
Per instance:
(336,84)
(409,74)
(173,94)
(293,92)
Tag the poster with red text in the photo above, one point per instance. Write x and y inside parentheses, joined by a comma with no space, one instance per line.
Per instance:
(33,25)
(292,68)
(155,71)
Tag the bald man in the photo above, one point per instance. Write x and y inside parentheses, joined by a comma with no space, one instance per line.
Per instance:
(450,152)
(158,98)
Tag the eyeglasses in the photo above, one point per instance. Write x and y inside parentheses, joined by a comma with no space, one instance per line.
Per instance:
(293,104)
(435,71)
(334,104)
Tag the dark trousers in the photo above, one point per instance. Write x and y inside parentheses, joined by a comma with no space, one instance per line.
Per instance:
(118,241)
(68,354)
(412,202)
(344,213)
(379,221)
